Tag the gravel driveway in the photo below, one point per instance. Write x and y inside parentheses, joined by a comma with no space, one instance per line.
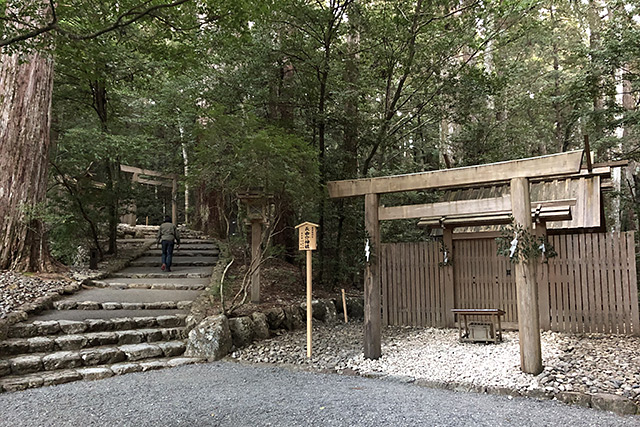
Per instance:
(234,394)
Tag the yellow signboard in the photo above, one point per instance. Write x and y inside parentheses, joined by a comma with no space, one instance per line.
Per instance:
(307,236)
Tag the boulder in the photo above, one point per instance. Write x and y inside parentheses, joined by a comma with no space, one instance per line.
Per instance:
(275,317)
(611,402)
(323,310)
(210,339)
(574,398)
(242,331)
(260,325)
(355,308)
(293,318)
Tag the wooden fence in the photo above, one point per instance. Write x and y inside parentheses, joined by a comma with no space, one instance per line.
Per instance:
(589,287)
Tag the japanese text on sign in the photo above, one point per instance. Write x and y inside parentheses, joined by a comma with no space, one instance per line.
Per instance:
(307,236)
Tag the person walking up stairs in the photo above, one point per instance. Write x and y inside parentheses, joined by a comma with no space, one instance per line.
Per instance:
(168,235)
(132,321)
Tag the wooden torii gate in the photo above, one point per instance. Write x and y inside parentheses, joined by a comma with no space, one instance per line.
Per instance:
(137,177)
(517,173)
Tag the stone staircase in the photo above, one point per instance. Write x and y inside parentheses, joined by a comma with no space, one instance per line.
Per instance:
(132,321)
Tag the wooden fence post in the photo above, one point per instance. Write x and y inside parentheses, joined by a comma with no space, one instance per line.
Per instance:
(372,310)
(526,285)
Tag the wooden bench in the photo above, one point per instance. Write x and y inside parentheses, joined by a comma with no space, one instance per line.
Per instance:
(490,331)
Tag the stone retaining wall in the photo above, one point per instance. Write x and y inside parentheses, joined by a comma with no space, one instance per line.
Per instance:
(215,336)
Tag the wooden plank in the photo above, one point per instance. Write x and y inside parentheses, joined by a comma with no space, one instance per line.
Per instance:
(397,286)
(563,300)
(576,291)
(612,284)
(436,285)
(459,207)
(383,283)
(623,284)
(372,318)
(419,286)
(418,269)
(543,283)
(576,251)
(449,285)
(497,218)
(389,278)
(414,282)
(590,308)
(391,265)
(406,285)
(600,257)
(618,280)
(402,288)
(633,290)
(428,274)
(565,279)
(430,278)
(423,282)
(553,283)
(554,164)
(586,278)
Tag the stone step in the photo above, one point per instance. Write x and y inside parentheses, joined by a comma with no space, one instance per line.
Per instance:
(163,283)
(36,362)
(47,378)
(184,241)
(51,343)
(127,296)
(39,328)
(116,305)
(185,253)
(177,261)
(177,272)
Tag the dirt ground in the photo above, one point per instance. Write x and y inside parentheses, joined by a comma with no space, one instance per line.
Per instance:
(281,284)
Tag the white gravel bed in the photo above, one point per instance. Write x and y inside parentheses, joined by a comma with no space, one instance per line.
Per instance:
(593,363)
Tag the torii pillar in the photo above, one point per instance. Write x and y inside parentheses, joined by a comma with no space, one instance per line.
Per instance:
(372,313)
(526,285)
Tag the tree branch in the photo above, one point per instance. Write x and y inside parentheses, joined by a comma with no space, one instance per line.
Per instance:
(127,18)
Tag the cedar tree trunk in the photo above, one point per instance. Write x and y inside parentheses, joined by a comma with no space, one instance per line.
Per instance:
(26,84)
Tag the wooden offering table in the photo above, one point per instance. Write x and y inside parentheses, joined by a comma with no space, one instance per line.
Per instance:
(476,331)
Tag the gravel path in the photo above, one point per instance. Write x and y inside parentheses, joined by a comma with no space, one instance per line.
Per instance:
(232,394)
(586,363)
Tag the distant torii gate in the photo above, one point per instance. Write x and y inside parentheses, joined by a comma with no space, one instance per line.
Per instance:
(137,173)
(517,173)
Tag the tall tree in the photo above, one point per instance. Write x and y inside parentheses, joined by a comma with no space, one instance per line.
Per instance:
(26,81)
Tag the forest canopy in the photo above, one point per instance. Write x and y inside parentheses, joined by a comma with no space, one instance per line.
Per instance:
(287,95)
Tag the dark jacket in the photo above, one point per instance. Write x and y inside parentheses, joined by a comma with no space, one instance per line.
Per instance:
(168,232)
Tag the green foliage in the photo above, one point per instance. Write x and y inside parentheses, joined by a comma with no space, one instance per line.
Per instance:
(288,95)
(240,153)
(519,244)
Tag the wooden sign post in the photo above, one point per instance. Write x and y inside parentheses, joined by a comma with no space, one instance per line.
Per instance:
(307,233)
